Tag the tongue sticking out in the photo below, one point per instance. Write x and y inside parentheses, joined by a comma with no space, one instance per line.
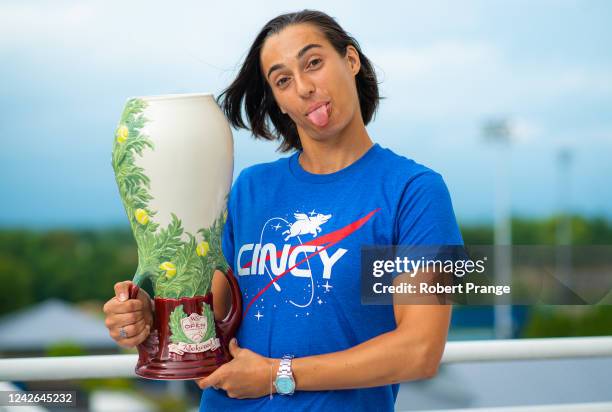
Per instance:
(319,117)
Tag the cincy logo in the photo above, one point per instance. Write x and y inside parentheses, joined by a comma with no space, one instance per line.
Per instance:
(259,258)
(253,257)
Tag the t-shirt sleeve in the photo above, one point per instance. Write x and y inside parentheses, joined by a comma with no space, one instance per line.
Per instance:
(426,225)
(425,213)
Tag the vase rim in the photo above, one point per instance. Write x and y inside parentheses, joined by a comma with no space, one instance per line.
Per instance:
(172,96)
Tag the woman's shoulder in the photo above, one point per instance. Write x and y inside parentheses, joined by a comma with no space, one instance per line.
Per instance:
(259,171)
(404,168)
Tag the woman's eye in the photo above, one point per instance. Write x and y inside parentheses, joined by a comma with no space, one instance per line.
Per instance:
(314,62)
(281,81)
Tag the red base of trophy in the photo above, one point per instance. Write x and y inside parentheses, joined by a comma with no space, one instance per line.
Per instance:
(161,359)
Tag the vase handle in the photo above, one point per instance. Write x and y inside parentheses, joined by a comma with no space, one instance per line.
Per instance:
(230,324)
(143,355)
(133,291)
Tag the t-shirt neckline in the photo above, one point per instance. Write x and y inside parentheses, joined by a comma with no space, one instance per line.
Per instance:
(301,174)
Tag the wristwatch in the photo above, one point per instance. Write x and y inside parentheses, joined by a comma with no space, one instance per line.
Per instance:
(284,382)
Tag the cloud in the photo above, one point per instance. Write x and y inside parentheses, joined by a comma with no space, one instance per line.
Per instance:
(127,36)
(30,23)
(453,77)
(451,86)
(433,79)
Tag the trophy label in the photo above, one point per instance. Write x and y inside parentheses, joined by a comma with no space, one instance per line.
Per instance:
(194,333)
(182,347)
(194,327)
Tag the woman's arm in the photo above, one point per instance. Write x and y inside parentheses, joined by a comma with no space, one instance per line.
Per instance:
(222,298)
(411,351)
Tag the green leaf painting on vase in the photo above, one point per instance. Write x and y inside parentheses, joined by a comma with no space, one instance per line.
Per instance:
(176,267)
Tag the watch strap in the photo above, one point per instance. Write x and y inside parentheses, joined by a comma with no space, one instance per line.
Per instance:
(285,372)
(284,368)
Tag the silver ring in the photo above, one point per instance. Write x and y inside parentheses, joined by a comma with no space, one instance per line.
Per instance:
(122,333)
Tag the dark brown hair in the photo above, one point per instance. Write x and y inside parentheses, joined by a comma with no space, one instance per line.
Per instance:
(260,107)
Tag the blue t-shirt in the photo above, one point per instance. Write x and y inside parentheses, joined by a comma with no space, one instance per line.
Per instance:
(278,214)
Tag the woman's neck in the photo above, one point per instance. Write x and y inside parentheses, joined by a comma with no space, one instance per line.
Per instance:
(330,155)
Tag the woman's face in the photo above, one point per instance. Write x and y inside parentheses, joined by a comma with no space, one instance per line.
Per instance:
(311,82)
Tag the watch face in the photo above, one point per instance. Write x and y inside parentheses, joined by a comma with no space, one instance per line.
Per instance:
(284,385)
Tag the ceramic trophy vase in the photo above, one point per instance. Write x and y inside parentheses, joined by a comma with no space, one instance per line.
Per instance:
(173,162)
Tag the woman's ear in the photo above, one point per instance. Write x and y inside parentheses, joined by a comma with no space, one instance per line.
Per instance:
(353,59)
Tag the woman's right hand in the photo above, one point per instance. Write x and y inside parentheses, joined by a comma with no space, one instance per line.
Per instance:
(135,316)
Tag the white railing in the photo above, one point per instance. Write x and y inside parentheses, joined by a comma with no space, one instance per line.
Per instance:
(527,349)
(568,407)
(107,366)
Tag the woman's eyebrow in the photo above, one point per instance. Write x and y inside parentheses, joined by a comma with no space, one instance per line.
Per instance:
(297,56)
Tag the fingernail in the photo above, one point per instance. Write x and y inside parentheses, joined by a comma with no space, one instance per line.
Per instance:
(235,341)
(122,297)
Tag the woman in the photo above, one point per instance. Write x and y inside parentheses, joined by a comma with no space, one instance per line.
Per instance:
(306,82)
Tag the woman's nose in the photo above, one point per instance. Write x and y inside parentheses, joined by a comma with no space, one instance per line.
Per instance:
(305,87)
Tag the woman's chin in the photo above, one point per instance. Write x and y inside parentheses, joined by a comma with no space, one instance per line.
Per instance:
(330,131)
(325,134)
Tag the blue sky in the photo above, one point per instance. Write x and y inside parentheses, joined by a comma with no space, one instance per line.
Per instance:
(445,67)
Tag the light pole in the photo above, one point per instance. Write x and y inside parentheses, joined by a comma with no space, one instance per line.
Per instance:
(499,133)
(564,224)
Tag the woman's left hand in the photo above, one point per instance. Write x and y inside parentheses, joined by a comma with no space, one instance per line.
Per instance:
(248,375)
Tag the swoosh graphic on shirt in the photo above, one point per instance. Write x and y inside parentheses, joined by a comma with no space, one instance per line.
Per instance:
(331,239)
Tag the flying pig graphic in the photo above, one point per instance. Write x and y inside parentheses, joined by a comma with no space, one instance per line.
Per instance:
(305,224)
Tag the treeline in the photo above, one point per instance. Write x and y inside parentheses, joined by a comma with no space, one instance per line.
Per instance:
(83,265)
(71,265)
(525,231)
